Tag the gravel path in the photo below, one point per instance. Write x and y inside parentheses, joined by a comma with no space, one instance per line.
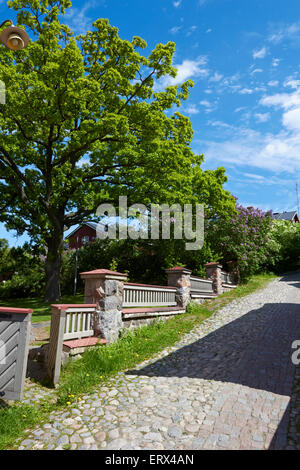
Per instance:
(229,384)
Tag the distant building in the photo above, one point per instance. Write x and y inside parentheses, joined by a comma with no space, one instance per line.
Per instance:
(292,216)
(82,235)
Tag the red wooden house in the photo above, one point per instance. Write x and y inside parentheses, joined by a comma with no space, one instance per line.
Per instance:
(82,235)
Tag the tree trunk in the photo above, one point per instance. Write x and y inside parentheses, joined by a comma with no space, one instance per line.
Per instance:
(53,268)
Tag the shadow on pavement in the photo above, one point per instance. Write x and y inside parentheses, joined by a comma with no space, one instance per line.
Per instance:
(254,351)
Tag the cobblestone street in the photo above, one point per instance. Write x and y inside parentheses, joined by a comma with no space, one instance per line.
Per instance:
(229,384)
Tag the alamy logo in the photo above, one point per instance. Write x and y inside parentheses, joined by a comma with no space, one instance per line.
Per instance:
(296,354)
(2,353)
(159,222)
(2,93)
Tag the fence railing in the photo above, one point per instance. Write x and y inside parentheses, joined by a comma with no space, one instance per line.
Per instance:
(79,323)
(141,295)
(227,278)
(199,285)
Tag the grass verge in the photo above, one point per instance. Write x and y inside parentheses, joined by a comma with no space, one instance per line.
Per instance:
(97,365)
(16,419)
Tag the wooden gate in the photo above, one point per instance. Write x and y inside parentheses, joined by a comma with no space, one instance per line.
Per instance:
(14,342)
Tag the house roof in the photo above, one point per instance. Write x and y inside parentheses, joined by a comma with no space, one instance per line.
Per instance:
(285,215)
(92,225)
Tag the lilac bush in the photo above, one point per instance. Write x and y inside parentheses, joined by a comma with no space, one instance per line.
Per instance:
(242,237)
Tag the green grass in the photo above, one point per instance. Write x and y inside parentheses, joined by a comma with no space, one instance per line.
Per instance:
(97,365)
(41,309)
(16,419)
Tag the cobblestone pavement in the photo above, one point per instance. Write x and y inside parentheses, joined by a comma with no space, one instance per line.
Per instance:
(228,384)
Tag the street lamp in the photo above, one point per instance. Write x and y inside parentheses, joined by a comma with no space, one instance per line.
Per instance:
(13,37)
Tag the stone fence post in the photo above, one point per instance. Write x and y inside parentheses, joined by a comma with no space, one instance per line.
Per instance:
(181,278)
(234,270)
(105,288)
(213,272)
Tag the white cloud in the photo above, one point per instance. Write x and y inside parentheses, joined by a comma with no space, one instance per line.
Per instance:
(209,107)
(230,83)
(275,62)
(242,108)
(205,103)
(260,88)
(260,54)
(246,91)
(256,71)
(290,103)
(177,3)
(175,29)
(273,83)
(292,83)
(188,32)
(246,147)
(278,151)
(216,77)
(191,30)
(78,19)
(291,119)
(232,79)
(268,180)
(192,109)
(282,100)
(186,70)
(285,32)
(262,117)
(209,30)
(220,124)
(255,176)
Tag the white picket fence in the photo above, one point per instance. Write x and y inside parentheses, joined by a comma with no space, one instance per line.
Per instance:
(142,295)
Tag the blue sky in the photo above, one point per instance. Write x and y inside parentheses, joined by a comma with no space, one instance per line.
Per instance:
(245,106)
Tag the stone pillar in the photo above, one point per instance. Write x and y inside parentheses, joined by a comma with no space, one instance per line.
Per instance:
(181,278)
(234,271)
(105,288)
(213,272)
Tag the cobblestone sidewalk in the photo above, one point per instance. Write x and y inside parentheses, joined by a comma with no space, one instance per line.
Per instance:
(229,384)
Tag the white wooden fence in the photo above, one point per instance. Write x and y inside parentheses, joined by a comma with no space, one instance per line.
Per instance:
(79,323)
(199,285)
(67,322)
(143,295)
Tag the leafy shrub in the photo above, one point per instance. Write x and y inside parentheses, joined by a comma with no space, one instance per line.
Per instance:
(243,237)
(26,270)
(283,246)
(30,284)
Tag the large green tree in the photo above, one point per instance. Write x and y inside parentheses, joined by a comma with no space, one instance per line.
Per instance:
(83,124)
(6,261)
